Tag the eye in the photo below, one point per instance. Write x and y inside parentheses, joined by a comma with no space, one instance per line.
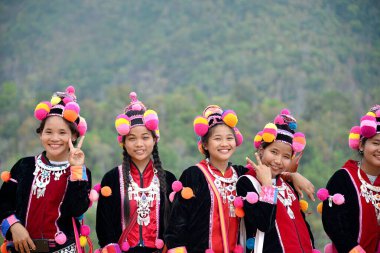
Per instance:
(230,138)
(274,152)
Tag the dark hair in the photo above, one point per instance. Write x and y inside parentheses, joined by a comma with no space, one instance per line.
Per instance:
(204,139)
(72,126)
(126,167)
(363,140)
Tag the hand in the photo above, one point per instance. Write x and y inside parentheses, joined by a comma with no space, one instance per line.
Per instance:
(295,161)
(263,172)
(21,239)
(301,184)
(76,155)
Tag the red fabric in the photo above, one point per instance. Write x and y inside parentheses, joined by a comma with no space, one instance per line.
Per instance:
(232,223)
(370,233)
(44,211)
(293,233)
(149,232)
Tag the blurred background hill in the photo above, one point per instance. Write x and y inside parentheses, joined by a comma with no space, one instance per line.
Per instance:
(320,59)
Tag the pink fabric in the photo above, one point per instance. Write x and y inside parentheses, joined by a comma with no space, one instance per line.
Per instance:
(268,194)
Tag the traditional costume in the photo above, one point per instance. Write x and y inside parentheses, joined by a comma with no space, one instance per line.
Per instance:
(45,196)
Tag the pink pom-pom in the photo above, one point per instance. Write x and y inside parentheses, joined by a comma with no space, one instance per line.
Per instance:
(67,100)
(299,142)
(82,126)
(125,246)
(329,248)
(252,197)
(368,126)
(151,124)
(97,187)
(316,251)
(322,194)
(119,139)
(177,186)
(239,137)
(200,126)
(338,199)
(85,230)
(159,243)
(73,107)
(123,129)
(42,110)
(285,111)
(238,249)
(97,251)
(171,196)
(70,89)
(354,138)
(60,238)
(279,120)
(94,195)
(133,96)
(209,251)
(258,139)
(238,202)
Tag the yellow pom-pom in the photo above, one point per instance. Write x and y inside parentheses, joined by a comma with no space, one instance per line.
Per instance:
(354,136)
(106,191)
(239,212)
(5,176)
(371,114)
(230,118)
(82,241)
(269,132)
(187,193)
(304,205)
(319,207)
(55,100)
(121,121)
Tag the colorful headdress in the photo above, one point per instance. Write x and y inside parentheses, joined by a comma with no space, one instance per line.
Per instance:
(282,129)
(136,114)
(213,115)
(62,104)
(369,127)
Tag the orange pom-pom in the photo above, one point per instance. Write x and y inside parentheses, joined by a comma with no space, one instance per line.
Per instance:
(187,193)
(304,205)
(239,212)
(4,247)
(70,115)
(106,191)
(5,176)
(319,207)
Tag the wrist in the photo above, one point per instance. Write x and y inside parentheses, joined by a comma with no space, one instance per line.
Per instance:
(7,224)
(78,173)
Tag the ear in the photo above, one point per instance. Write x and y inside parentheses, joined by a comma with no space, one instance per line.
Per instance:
(361,146)
(260,151)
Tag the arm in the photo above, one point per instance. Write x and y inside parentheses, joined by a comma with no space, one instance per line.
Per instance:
(341,222)
(300,183)
(108,212)
(260,215)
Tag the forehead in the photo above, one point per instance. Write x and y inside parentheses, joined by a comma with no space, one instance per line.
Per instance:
(56,122)
(221,129)
(281,146)
(139,130)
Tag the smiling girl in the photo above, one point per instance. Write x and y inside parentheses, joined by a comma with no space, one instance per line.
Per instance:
(133,206)
(42,194)
(275,221)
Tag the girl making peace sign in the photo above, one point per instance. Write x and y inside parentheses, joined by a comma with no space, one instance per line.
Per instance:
(42,193)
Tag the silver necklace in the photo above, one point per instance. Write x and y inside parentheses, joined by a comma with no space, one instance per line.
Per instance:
(144,197)
(42,175)
(286,196)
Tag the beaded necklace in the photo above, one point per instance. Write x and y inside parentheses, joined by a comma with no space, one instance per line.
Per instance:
(286,196)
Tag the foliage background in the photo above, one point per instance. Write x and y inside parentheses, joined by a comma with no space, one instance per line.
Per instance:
(320,59)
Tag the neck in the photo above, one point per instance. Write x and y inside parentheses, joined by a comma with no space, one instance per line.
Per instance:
(141,165)
(220,165)
(56,158)
(369,169)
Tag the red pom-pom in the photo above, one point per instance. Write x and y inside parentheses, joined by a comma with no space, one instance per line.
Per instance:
(159,243)
(85,230)
(238,202)
(177,186)
(60,238)
(125,246)
(338,199)
(323,194)
(5,176)
(252,197)
(238,249)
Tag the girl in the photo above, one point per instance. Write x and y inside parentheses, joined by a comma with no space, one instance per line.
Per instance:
(42,193)
(203,215)
(277,212)
(133,204)
(354,225)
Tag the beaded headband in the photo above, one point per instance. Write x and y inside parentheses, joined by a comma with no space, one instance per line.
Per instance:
(62,104)
(369,127)
(282,129)
(136,114)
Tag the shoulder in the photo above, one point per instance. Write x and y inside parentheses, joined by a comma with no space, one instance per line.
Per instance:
(23,164)
(111,176)
(241,170)
(169,176)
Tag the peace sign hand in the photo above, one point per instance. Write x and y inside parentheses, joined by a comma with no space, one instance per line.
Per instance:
(76,155)
(263,172)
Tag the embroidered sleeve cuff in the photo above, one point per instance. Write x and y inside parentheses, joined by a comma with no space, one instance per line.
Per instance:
(268,194)
(111,248)
(7,223)
(357,249)
(78,173)
(178,250)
